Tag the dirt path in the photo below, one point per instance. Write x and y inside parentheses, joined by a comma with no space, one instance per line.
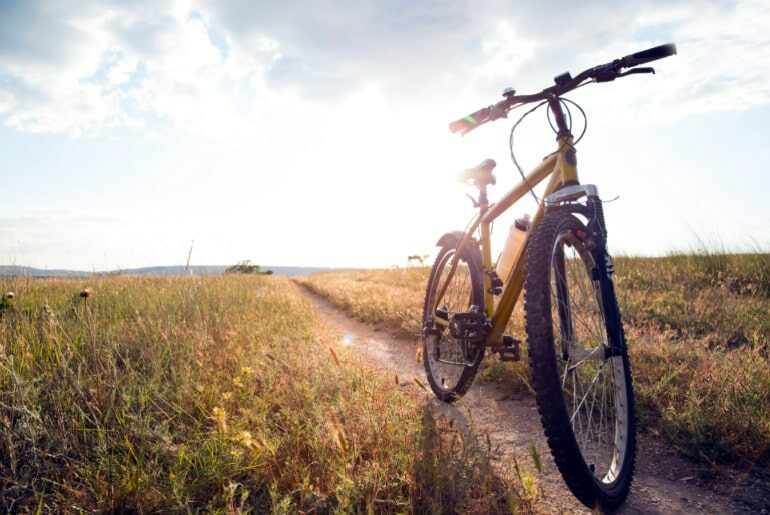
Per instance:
(663,482)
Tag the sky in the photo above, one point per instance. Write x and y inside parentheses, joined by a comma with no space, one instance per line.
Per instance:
(314,133)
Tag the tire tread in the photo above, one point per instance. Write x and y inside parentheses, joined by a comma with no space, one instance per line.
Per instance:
(545,377)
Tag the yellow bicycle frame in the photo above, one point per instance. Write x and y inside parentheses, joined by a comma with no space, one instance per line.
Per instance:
(562,168)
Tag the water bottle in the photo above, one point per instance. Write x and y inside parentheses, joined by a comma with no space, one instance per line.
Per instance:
(516,237)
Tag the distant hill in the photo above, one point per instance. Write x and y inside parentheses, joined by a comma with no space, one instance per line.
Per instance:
(154,270)
(40,272)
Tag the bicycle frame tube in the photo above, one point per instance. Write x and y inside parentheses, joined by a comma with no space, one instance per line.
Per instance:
(562,168)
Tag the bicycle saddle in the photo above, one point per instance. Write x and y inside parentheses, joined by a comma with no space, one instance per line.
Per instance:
(481,175)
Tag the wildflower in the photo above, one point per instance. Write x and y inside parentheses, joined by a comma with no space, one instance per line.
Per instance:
(237,382)
(245,439)
(247,371)
(220,416)
(227,396)
(10,295)
(85,293)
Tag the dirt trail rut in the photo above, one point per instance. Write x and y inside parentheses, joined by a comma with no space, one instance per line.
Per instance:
(663,482)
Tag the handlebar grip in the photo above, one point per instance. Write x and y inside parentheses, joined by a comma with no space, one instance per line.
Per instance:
(651,54)
(467,123)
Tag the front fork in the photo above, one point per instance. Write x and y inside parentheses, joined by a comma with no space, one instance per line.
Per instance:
(596,244)
(604,270)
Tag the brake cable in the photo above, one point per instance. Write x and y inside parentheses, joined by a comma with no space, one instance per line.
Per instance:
(513,154)
(564,102)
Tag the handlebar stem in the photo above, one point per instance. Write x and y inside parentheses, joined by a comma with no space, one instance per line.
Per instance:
(554,104)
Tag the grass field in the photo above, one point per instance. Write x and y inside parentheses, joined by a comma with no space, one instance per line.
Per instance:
(216,394)
(698,328)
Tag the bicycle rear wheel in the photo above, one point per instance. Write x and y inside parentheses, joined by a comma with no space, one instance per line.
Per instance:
(451,364)
(579,361)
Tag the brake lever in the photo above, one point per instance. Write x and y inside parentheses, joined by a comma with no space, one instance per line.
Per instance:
(497,111)
(632,71)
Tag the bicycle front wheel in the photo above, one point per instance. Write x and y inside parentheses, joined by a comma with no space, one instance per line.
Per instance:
(579,361)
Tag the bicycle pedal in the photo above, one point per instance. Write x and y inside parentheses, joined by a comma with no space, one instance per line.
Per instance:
(510,351)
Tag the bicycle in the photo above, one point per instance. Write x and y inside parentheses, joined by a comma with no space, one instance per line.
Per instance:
(577,349)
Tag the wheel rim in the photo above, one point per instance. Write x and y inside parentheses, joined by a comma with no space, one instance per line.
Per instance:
(444,355)
(593,387)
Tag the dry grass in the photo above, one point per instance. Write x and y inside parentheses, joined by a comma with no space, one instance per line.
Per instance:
(698,329)
(392,298)
(211,394)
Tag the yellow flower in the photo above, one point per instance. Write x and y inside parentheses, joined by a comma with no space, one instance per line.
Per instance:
(245,439)
(220,416)
(247,371)
(237,382)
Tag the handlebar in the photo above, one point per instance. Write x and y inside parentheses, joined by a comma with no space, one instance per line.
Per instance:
(564,84)
(651,54)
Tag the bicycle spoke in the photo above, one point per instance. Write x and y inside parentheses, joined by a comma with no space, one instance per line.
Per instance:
(446,359)
(579,330)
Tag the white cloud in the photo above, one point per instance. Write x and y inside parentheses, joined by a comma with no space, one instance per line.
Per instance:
(118,69)
(504,51)
(90,67)
(338,109)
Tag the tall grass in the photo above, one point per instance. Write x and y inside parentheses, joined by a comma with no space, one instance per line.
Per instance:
(698,328)
(392,298)
(722,299)
(223,394)
(700,341)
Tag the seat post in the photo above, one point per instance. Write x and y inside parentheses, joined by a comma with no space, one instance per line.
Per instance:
(483,199)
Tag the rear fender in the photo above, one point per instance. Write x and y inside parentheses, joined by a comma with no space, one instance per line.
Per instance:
(453,239)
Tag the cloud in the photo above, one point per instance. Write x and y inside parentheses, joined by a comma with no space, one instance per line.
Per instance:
(36,33)
(99,66)
(405,47)
(84,68)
